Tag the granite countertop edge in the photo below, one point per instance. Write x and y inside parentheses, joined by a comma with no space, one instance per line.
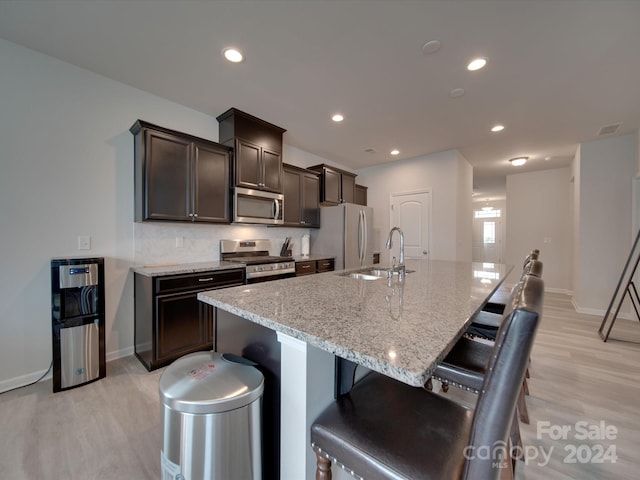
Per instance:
(412,378)
(158,270)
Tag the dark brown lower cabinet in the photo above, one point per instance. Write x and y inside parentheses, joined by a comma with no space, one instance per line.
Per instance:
(307,267)
(170,321)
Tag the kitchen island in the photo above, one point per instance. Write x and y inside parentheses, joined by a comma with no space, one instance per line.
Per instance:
(400,329)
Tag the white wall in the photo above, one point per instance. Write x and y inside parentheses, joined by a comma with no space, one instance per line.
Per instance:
(606,170)
(540,217)
(67,170)
(464,209)
(448,176)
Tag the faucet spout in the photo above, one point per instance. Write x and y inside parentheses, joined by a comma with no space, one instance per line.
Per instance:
(390,244)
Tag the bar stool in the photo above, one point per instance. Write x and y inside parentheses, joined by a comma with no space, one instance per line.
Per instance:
(384,429)
(485,324)
(498,301)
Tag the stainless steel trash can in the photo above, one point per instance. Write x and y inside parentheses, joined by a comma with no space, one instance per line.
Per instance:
(211,412)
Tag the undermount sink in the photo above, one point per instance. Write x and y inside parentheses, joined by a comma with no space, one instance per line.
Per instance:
(364,276)
(373,273)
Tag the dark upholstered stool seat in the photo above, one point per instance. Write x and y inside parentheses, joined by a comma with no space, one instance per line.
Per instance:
(391,428)
(485,325)
(465,365)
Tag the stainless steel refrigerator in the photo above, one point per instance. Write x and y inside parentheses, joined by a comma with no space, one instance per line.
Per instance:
(346,231)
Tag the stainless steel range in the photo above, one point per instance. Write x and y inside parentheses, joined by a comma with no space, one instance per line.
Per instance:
(260,266)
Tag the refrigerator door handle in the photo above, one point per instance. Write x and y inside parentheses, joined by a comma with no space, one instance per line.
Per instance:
(365,243)
(360,236)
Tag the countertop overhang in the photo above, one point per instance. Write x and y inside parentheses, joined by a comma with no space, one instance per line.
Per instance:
(402,330)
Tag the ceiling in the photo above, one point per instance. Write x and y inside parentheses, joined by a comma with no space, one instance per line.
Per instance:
(557,70)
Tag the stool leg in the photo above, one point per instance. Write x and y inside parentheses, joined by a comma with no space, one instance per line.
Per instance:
(516,441)
(323,467)
(523,413)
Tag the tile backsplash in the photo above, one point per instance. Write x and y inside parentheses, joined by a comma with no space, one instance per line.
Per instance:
(158,243)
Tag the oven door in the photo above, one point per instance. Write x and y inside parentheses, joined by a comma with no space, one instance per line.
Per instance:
(256,206)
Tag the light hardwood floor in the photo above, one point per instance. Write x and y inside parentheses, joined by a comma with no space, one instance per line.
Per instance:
(111,429)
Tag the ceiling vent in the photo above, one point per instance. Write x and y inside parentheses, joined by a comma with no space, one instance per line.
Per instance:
(370,150)
(609,129)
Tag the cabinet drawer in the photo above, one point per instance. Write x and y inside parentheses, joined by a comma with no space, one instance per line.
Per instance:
(199,281)
(325,265)
(306,268)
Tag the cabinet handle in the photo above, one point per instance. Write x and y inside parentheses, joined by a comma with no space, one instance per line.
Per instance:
(205,279)
(195,215)
(326,264)
(302,222)
(305,266)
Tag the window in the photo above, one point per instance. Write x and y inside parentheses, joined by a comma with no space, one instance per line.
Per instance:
(493,213)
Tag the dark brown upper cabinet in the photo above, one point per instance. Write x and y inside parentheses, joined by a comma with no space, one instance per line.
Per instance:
(179,177)
(258,150)
(361,195)
(336,186)
(301,197)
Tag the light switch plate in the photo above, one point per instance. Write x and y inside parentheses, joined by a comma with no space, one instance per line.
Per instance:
(84,242)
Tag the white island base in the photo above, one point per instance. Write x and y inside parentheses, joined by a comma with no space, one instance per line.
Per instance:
(307,385)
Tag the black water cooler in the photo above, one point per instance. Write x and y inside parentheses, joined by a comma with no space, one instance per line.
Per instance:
(78,321)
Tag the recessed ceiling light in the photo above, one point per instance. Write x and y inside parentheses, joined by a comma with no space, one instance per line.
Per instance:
(395,151)
(456,92)
(233,55)
(337,118)
(516,162)
(476,64)
(497,128)
(431,47)
(547,158)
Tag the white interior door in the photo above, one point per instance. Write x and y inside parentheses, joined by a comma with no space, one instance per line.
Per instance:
(411,212)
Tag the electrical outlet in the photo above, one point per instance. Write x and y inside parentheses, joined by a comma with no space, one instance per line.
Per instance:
(180,242)
(84,242)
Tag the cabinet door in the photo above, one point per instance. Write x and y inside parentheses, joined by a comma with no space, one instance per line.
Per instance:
(248,166)
(348,188)
(167,177)
(271,171)
(211,184)
(361,195)
(310,200)
(180,326)
(331,193)
(292,193)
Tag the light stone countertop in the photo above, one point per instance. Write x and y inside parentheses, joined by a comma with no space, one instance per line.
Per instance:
(400,330)
(159,270)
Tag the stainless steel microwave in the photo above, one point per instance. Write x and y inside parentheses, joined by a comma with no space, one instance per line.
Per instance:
(256,206)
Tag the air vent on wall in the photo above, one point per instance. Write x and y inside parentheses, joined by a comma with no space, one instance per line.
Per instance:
(609,129)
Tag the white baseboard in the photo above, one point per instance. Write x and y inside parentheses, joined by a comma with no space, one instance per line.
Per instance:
(598,312)
(124,352)
(22,380)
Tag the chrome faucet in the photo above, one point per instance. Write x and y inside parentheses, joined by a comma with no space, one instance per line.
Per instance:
(399,268)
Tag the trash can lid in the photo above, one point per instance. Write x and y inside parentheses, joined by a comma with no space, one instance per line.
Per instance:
(205,382)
